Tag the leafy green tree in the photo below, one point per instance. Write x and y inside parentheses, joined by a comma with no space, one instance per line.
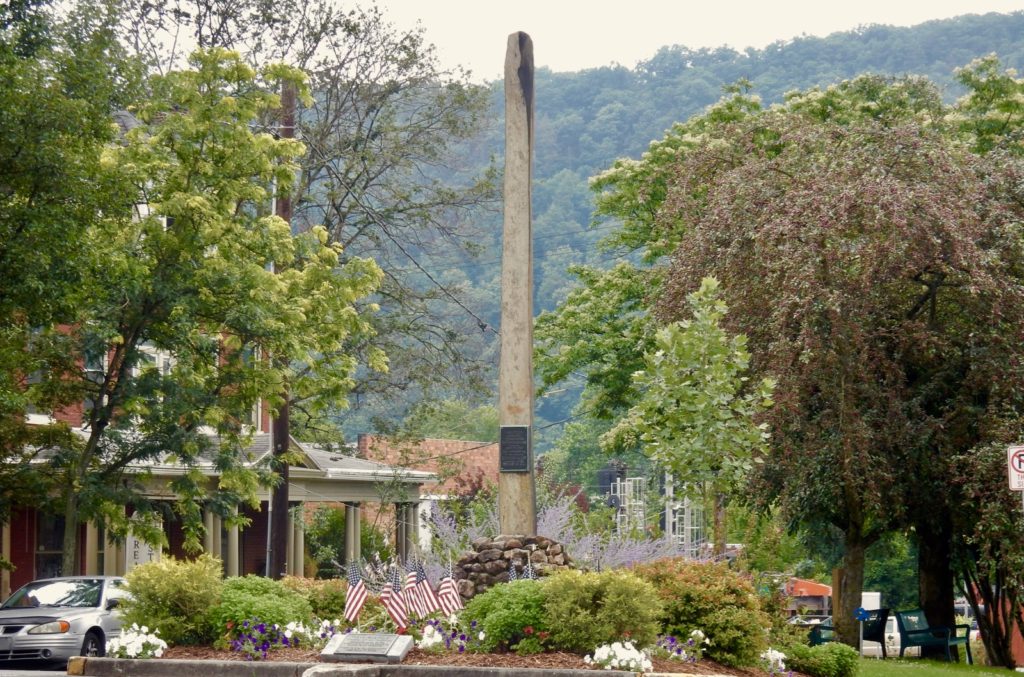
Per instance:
(60,80)
(991,114)
(184,267)
(990,551)
(453,419)
(382,175)
(696,413)
(873,266)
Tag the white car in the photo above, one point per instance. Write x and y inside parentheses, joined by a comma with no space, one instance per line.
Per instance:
(54,619)
(892,643)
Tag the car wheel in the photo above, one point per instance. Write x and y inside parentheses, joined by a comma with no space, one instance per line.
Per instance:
(93,644)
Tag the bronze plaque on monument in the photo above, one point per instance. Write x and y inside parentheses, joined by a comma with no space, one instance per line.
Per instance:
(359,647)
(514,448)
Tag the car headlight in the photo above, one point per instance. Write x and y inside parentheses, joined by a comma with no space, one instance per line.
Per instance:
(51,628)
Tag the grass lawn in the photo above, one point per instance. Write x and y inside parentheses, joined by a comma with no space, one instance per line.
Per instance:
(915,667)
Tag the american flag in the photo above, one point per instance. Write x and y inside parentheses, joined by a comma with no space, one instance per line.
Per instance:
(391,598)
(448,593)
(512,571)
(528,571)
(411,592)
(427,594)
(357,593)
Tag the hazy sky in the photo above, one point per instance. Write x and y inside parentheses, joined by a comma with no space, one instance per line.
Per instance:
(571,35)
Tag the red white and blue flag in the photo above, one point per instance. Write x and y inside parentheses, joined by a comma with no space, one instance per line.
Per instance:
(430,601)
(357,593)
(391,598)
(411,593)
(448,593)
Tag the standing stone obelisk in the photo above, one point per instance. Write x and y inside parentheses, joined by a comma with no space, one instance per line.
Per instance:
(516,494)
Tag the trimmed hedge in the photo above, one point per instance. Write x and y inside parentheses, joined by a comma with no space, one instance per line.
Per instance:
(586,610)
(714,599)
(176,597)
(826,660)
(251,598)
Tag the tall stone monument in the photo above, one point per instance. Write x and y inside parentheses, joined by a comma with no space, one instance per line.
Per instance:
(516,493)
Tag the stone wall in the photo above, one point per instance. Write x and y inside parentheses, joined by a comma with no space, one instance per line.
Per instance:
(488,563)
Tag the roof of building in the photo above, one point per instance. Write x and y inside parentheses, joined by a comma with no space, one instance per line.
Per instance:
(798,587)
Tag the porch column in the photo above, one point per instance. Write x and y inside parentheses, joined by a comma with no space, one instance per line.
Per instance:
(208,527)
(298,550)
(112,556)
(92,537)
(233,554)
(401,531)
(217,549)
(412,527)
(289,553)
(5,552)
(352,532)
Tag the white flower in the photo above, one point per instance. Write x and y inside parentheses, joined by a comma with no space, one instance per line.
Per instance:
(481,636)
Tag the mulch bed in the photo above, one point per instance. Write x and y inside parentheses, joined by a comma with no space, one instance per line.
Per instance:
(543,661)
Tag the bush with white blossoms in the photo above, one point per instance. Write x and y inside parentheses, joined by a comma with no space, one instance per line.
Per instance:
(620,656)
(773,661)
(136,642)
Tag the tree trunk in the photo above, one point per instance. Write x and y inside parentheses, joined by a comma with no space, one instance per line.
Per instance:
(719,524)
(69,556)
(851,582)
(935,578)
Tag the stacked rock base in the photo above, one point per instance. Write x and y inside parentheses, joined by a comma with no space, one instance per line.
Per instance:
(488,563)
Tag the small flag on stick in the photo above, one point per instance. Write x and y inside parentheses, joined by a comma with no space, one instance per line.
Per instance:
(411,593)
(357,593)
(448,593)
(391,598)
(427,594)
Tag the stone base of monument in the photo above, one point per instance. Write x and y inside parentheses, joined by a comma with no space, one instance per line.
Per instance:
(367,647)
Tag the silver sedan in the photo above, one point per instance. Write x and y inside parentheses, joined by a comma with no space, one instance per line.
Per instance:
(54,619)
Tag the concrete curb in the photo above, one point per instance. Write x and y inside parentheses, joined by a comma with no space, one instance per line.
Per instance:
(116,667)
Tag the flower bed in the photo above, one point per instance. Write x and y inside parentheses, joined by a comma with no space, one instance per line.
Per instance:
(544,661)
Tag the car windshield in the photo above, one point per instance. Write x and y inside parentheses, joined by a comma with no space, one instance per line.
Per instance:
(79,593)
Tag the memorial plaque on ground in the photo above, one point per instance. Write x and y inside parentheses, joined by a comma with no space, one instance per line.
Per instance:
(514,448)
(367,647)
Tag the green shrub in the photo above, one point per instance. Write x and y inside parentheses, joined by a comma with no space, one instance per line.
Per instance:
(250,598)
(586,610)
(511,616)
(826,660)
(175,596)
(325,596)
(711,598)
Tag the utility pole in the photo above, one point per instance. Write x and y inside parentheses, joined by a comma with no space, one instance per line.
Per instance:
(280,433)
(517,510)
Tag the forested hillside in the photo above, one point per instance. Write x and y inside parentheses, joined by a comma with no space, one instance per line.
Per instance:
(587,119)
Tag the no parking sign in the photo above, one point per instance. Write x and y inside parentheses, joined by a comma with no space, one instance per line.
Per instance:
(1015,466)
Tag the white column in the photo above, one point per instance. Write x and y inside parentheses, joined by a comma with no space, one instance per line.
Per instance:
(299,546)
(92,537)
(352,532)
(208,526)
(112,564)
(289,558)
(216,551)
(233,552)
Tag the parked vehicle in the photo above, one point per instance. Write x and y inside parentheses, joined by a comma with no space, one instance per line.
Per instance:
(892,643)
(54,619)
